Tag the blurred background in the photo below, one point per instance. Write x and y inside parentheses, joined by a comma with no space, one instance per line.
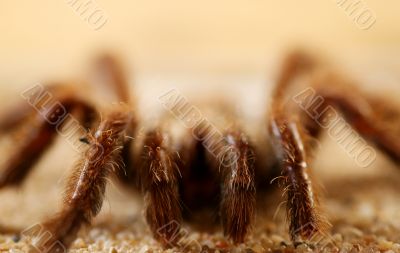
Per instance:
(50,40)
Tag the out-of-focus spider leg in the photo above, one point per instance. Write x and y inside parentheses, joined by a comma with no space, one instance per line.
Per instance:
(20,112)
(83,197)
(38,136)
(158,175)
(293,65)
(238,191)
(111,72)
(376,120)
(14,117)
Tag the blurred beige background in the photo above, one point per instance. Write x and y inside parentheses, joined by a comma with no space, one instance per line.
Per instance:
(49,40)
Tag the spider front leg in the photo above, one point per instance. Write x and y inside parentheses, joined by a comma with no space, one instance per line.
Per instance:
(302,204)
(238,189)
(85,189)
(159,174)
(231,156)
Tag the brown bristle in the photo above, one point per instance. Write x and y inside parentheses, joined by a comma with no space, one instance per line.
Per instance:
(159,179)
(84,195)
(238,189)
(301,198)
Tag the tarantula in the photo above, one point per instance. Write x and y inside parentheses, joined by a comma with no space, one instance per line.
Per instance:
(175,171)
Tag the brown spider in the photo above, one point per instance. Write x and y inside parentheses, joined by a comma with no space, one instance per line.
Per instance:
(176,171)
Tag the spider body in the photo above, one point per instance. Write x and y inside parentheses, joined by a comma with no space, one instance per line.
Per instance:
(182,173)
